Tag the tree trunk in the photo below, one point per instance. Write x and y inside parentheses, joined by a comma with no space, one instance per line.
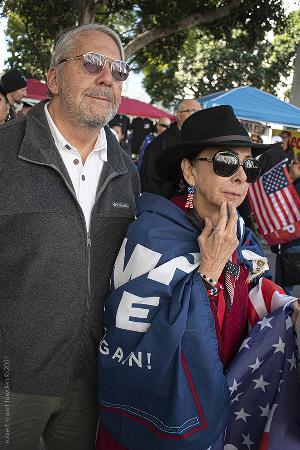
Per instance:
(295,90)
(88,11)
(146,38)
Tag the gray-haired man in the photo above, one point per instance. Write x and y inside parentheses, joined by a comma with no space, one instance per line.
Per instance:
(68,192)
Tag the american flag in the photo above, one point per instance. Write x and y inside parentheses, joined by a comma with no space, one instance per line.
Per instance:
(264,389)
(276,205)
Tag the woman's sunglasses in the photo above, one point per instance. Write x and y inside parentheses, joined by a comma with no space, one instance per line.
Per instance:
(94,63)
(226,164)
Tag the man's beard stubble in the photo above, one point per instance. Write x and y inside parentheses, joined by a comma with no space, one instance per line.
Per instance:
(84,115)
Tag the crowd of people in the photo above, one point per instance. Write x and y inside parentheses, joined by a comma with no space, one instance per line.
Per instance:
(128,290)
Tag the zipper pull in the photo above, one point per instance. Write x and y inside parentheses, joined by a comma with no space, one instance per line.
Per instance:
(89,241)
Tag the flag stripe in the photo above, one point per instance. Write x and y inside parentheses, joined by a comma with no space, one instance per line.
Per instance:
(257,303)
(264,443)
(255,197)
(280,215)
(266,208)
(270,209)
(292,213)
(254,206)
(294,202)
(285,207)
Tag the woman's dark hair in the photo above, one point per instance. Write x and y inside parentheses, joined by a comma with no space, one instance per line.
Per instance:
(183,185)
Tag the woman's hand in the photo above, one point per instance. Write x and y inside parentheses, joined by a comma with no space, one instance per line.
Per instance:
(217,246)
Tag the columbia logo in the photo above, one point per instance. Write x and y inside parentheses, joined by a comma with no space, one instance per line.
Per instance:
(120,205)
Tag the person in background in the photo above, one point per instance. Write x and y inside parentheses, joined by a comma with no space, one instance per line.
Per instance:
(117,128)
(14,84)
(256,139)
(68,193)
(26,107)
(139,128)
(295,172)
(161,126)
(287,148)
(150,180)
(123,120)
(4,105)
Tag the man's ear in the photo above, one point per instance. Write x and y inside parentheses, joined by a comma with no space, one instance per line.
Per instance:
(187,170)
(52,80)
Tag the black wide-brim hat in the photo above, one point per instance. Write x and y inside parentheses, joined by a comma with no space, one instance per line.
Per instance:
(211,127)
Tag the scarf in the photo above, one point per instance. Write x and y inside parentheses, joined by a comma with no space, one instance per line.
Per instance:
(161,379)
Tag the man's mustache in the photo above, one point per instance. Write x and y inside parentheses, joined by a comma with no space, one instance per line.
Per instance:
(103,92)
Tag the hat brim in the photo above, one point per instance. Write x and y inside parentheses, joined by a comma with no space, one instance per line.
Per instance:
(168,162)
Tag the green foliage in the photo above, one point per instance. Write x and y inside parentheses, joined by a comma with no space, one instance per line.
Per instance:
(206,65)
(32,28)
(27,54)
(199,60)
(281,54)
(215,58)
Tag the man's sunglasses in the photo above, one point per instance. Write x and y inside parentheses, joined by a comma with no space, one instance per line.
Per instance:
(163,125)
(226,164)
(94,63)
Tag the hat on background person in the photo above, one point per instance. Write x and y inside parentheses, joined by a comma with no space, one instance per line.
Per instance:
(211,127)
(13,80)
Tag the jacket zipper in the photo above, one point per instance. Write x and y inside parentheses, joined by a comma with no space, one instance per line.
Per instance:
(88,245)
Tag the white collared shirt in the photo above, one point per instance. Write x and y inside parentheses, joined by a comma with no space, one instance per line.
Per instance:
(85,177)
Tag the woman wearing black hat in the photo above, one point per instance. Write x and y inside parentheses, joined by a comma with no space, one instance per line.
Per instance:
(186,282)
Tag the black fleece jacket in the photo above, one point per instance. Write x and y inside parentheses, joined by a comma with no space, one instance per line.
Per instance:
(54,275)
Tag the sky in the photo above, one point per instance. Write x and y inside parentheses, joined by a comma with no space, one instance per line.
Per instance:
(133,87)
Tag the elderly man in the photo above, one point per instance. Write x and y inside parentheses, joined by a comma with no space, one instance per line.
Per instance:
(14,84)
(68,193)
(150,180)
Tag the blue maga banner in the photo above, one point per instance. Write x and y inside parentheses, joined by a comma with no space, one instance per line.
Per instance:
(162,384)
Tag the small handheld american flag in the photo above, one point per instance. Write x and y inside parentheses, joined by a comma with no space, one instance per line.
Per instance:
(276,205)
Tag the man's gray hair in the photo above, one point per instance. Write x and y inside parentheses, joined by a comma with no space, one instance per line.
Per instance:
(178,106)
(64,44)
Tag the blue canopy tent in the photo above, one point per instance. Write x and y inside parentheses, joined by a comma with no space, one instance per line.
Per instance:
(253,104)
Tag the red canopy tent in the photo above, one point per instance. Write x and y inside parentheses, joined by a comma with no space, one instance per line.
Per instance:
(132,107)
(36,90)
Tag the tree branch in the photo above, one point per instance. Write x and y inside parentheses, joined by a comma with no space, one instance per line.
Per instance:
(88,10)
(146,38)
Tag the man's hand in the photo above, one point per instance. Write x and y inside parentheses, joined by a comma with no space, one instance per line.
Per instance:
(217,246)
